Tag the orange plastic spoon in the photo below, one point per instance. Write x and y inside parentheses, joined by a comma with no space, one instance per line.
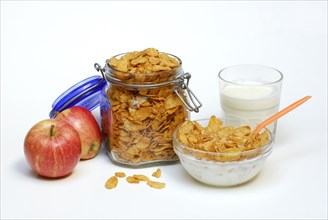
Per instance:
(280,114)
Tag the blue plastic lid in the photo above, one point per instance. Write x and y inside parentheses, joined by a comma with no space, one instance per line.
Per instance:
(85,93)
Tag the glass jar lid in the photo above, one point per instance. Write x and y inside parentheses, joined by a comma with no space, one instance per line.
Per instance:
(85,93)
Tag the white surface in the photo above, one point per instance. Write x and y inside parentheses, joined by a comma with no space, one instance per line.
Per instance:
(48,46)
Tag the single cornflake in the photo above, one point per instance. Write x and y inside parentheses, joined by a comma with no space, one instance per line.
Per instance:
(111,183)
(156,185)
(120,174)
(132,179)
(140,177)
(157,173)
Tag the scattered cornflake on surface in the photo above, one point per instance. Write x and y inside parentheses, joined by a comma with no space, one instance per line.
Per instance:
(135,179)
(120,174)
(156,185)
(131,179)
(141,177)
(157,173)
(111,183)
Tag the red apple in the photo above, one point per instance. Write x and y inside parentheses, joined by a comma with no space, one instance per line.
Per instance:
(52,148)
(87,126)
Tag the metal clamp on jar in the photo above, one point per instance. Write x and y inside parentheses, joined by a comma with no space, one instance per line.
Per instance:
(140,111)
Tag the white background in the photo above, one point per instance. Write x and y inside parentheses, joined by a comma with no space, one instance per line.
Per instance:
(48,46)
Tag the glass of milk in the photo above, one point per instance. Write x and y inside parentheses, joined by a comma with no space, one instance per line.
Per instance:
(250,92)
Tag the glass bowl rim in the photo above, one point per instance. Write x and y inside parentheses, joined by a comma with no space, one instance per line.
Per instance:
(267,147)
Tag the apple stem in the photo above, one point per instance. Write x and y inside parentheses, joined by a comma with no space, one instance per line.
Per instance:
(52,130)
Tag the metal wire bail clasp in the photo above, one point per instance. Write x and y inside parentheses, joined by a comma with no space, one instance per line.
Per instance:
(98,68)
(194,103)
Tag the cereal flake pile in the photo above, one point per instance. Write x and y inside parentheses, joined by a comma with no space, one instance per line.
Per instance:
(143,119)
(112,182)
(234,143)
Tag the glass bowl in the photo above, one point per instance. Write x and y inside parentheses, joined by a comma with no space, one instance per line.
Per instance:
(210,167)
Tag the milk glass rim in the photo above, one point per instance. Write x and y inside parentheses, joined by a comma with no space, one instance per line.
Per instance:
(252,65)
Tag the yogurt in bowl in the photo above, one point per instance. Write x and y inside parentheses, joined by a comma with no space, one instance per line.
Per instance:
(231,166)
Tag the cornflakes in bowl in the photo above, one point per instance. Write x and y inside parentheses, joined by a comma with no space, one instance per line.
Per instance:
(221,152)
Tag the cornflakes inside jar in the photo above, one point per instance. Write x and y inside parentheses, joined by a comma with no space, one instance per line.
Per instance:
(145,100)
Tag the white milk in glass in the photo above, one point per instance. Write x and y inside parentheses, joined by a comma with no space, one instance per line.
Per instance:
(254,103)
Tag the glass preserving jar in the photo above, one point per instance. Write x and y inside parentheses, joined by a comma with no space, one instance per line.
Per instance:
(139,113)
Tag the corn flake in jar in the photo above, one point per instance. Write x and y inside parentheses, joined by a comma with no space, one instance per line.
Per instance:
(144,107)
